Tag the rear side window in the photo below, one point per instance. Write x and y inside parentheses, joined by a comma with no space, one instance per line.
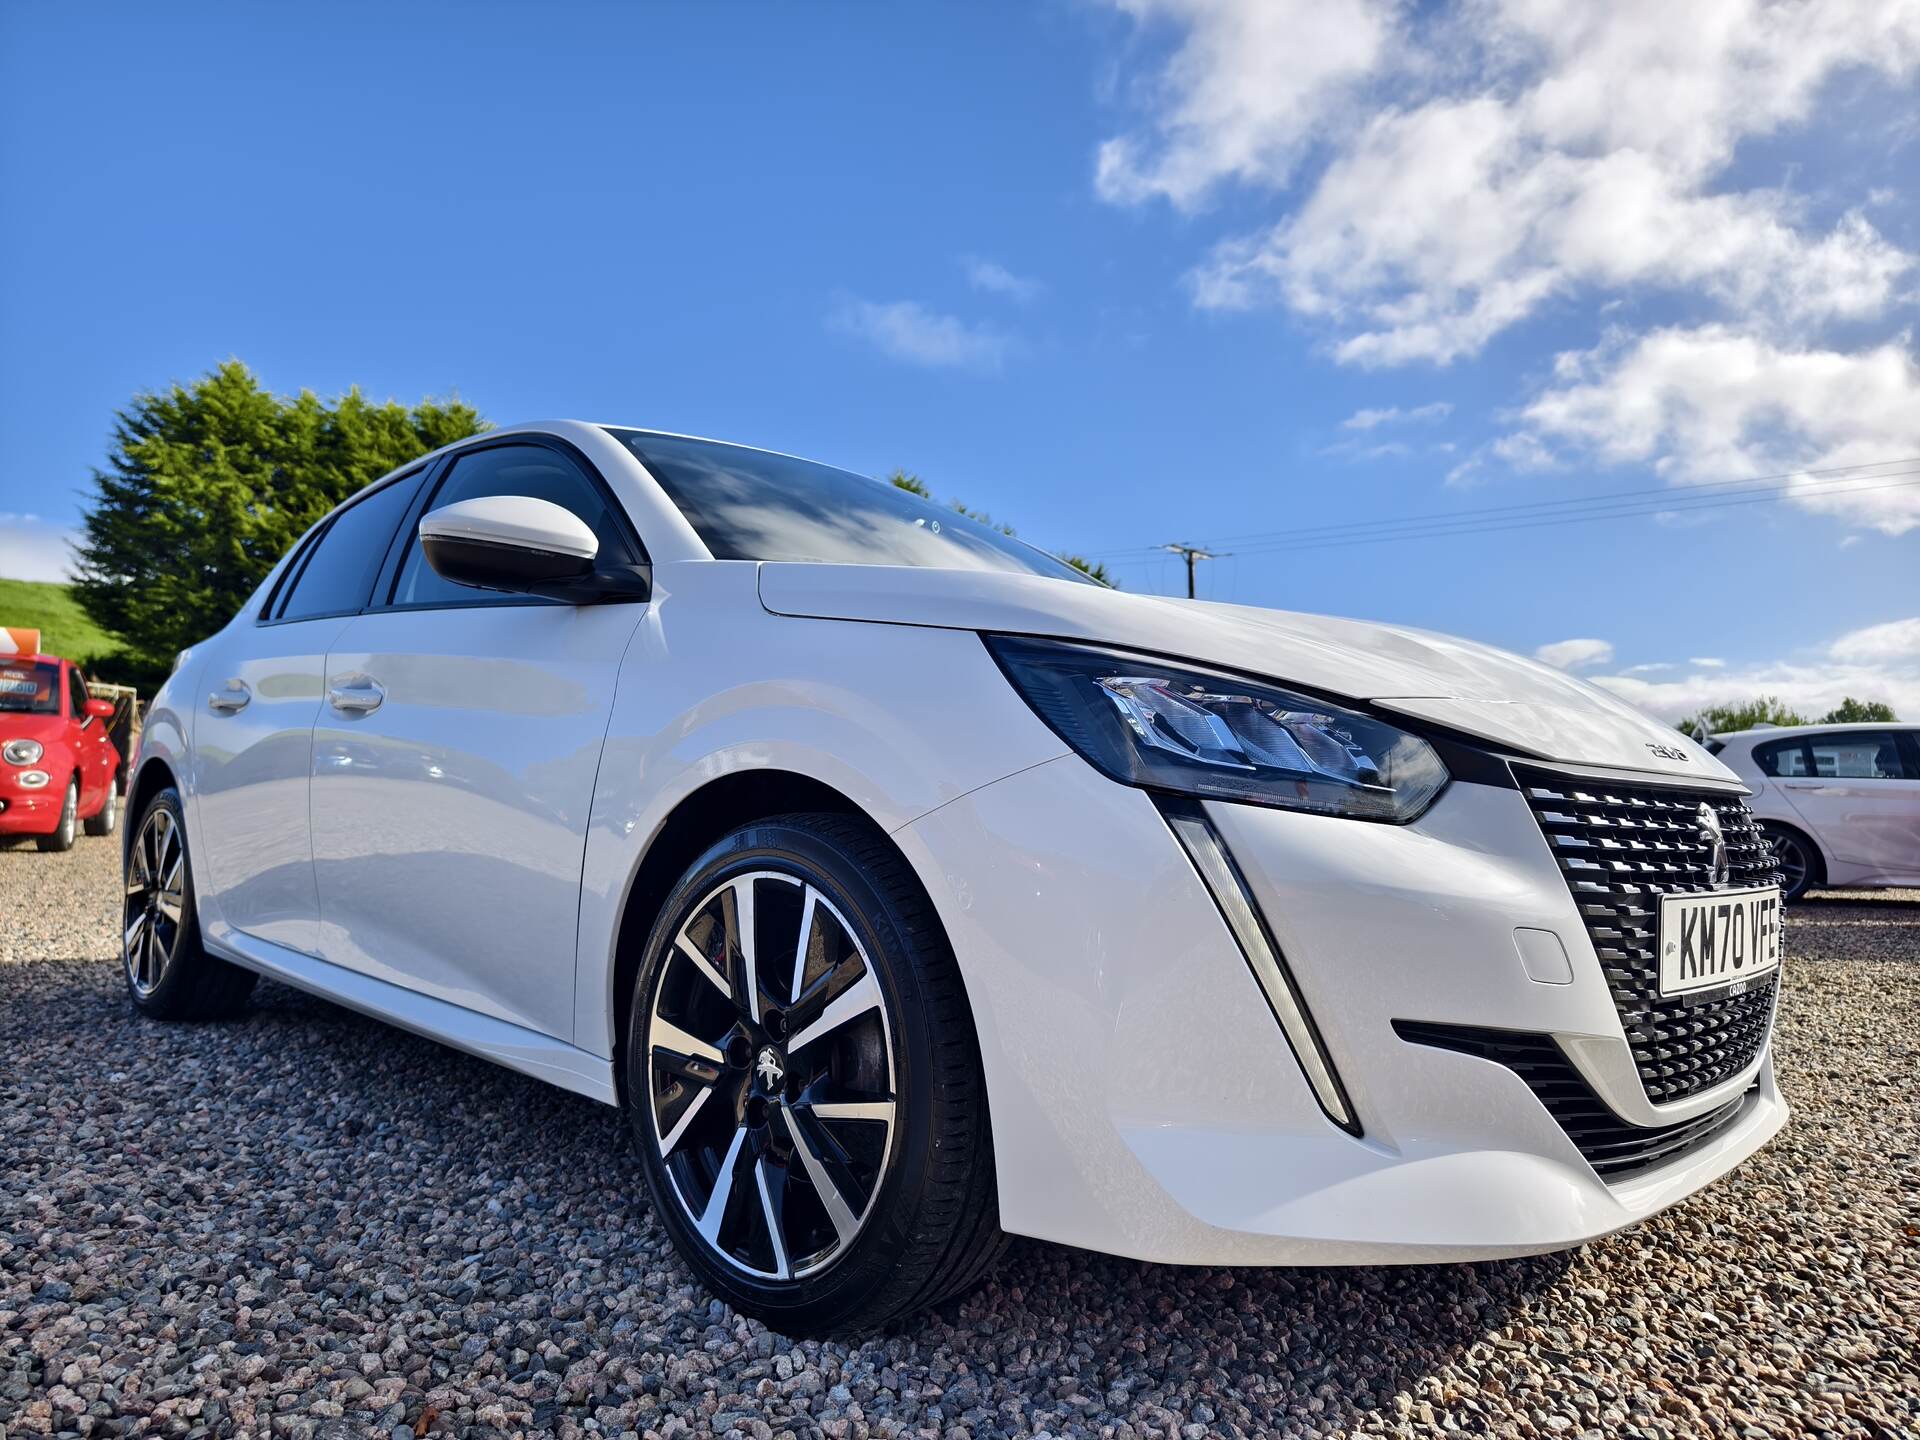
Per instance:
(1786,758)
(532,470)
(337,576)
(1859,755)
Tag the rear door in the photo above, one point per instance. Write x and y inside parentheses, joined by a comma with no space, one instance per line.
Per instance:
(454,762)
(1860,792)
(253,737)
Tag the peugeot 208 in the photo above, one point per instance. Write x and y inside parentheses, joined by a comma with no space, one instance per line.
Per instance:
(908,889)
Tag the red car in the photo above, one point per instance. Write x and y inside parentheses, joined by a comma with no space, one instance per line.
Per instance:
(58,767)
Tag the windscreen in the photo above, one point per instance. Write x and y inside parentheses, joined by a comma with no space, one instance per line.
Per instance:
(29,687)
(754,505)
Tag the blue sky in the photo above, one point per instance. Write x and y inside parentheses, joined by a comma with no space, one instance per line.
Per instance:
(1117,273)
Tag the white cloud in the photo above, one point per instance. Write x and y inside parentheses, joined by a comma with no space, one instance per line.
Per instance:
(31,549)
(1394,415)
(908,330)
(1707,661)
(1251,85)
(995,279)
(1712,404)
(1895,640)
(1575,654)
(1484,161)
(1811,687)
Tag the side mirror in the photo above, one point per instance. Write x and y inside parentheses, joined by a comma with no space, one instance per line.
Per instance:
(508,542)
(100,709)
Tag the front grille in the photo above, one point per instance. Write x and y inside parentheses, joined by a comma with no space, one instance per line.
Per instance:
(1611,1146)
(1621,847)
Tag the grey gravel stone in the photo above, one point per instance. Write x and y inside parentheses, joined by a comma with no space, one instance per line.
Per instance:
(303,1224)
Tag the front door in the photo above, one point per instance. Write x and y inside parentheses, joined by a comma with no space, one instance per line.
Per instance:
(454,764)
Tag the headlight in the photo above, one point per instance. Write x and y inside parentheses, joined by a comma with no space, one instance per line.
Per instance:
(1146,722)
(21,752)
(33,779)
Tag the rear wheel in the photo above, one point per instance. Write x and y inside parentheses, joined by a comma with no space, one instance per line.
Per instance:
(63,835)
(169,973)
(108,819)
(804,1084)
(1800,868)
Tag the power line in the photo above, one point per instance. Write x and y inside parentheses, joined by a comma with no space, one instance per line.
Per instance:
(1651,500)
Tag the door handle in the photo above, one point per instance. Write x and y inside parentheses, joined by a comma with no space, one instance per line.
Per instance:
(358,695)
(230,699)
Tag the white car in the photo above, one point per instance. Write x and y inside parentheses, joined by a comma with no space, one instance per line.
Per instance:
(1841,803)
(908,889)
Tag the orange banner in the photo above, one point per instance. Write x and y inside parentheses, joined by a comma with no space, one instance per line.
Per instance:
(19,642)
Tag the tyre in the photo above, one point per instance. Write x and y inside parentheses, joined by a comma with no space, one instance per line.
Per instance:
(108,818)
(169,973)
(804,1084)
(1800,865)
(63,836)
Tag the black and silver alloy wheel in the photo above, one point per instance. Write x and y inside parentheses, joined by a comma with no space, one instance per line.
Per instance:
(771,1075)
(1798,868)
(155,901)
(170,975)
(803,1082)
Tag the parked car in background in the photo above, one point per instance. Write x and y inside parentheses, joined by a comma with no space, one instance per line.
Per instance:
(906,887)
(1841,803)
(58,764)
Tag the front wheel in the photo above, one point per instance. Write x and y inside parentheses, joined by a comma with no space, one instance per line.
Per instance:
(169,973)
(63,834)
(804,1083)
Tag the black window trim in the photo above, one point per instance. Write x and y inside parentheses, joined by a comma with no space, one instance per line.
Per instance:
(389,578)
(272,613)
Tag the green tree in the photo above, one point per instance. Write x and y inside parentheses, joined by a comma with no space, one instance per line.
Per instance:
(208,484)
(1859,712)
(914,485)
(1719,719)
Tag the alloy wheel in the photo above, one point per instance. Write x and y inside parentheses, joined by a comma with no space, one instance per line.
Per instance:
(770,1075)
(1795,867)
(69,814)
(155,900)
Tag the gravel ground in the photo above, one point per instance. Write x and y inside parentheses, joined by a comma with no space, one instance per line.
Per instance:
(305,1224)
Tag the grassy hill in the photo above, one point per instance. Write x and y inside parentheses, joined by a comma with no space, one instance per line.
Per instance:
(64,627)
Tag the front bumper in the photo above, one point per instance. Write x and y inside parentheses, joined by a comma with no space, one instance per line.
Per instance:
(30,812)
(1144,1100)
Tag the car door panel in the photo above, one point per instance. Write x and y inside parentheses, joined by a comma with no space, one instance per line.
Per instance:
(253,742)
(449,814)
(1861,801)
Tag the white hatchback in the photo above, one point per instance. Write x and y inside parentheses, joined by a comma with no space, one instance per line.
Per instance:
(1841,803)
(908,889)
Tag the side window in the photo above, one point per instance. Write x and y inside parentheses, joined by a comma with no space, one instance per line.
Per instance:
(1859,755)
(1786,758)
(532,470)
(337,576)
(77,692)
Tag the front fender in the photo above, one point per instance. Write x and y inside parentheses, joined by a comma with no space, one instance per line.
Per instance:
(899,719)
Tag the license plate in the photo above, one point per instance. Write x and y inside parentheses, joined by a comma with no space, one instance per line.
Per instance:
(1726,937)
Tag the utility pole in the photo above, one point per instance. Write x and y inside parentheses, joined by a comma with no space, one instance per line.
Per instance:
(1193,553)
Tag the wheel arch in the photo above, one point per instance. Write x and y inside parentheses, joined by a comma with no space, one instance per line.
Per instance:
(699,819)
(1807,838)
